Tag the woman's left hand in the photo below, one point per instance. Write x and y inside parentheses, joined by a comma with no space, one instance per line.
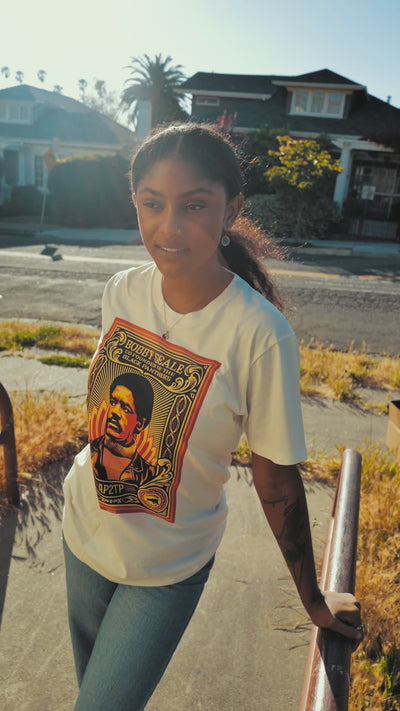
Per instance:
(339,612)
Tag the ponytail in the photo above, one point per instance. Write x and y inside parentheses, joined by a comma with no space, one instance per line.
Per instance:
(245,255)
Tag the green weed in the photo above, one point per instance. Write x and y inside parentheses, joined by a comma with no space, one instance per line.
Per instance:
(66,361)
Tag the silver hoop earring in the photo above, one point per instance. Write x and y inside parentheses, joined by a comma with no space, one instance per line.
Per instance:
(225,240)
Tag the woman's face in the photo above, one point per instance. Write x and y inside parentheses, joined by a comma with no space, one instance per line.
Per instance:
(182,216)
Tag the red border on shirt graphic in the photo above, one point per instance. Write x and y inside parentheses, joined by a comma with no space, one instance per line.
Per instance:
(145,395)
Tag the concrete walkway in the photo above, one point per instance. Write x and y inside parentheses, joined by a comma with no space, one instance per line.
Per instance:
(246,647)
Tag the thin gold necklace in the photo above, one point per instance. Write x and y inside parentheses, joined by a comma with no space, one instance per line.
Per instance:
(197,306)
(166,333)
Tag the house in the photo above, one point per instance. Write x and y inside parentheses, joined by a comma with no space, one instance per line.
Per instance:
(364,130)
(35,123)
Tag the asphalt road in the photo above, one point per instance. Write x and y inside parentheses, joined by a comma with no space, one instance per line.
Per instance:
(333,300)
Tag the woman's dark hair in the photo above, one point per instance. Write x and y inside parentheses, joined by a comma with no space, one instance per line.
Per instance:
(215,158)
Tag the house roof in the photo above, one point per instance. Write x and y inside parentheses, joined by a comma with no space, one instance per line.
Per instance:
(233,83)
(322,76)
(366,114)
(207,82)
(63,118)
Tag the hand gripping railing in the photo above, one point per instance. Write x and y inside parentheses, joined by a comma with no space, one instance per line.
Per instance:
(7,439)
(327,678)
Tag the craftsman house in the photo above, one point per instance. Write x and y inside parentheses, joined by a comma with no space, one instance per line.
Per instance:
(364,130)
(35,123)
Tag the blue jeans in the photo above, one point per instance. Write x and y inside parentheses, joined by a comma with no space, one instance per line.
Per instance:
(123,636)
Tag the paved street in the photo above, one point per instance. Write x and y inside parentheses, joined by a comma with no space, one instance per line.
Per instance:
(334,300)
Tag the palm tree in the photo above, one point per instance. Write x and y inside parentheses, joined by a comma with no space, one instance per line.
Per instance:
(82,83)
(5,72)
(154,80)
(41,75)
(57,89)
(103,101)
(19,77)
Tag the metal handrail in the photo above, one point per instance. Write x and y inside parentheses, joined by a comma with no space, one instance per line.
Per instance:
(7,439)
(327,677)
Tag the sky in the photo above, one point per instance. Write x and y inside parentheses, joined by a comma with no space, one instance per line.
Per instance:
(359,39)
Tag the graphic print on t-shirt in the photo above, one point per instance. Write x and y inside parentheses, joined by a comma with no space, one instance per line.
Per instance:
(145,394)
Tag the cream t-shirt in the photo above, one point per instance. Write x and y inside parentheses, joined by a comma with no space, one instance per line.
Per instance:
(169,413)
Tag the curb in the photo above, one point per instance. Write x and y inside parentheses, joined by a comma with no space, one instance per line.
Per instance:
(344,249)
(335,248)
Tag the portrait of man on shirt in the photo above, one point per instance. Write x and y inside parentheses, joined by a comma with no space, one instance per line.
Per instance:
(114,454)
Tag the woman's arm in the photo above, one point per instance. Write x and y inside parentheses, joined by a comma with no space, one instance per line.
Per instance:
(281,492)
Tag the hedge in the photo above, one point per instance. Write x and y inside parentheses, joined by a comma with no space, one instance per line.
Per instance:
(293,215)
(92,192)
(25,200)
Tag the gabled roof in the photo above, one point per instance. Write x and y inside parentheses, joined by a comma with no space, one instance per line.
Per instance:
(228,83)
(263,85)
(61,117)
(323,77)
(25,92)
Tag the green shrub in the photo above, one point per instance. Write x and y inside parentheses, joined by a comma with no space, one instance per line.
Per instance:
(292,214)
(255,150)
(92,192)
(25,200)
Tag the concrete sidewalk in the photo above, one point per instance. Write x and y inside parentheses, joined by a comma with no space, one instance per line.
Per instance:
(72,235)
(246,647)
(343,248)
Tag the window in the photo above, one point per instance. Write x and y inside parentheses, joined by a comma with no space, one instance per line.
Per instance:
(300,102)
(334,104)
(207,100)
(14,112)
(24,112)
(317,103)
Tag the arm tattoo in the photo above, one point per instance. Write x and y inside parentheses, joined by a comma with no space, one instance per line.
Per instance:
(293,535)
(294,531)
(273,502)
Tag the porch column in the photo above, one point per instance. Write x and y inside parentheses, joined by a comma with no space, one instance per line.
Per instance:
(343,178)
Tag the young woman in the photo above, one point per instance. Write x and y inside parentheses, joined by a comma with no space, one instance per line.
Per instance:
(193,353)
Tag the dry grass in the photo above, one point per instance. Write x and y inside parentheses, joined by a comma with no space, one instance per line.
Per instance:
(17,335)
(376,667)
(341,374)
(46,428)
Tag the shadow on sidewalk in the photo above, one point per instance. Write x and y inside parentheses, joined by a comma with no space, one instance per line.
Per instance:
(8,527)
(24,528)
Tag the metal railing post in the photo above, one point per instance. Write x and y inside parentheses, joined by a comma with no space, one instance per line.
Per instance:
(327,678)
(7,439)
